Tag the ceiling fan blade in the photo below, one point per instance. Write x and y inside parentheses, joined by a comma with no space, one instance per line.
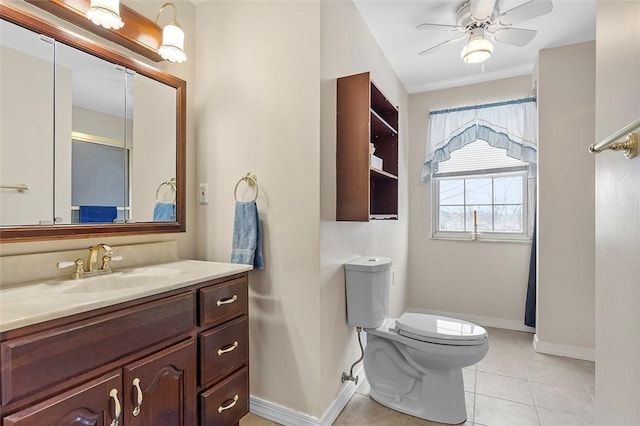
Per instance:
(481,10)
(428,26)
(441,45)
(514,36)
(531,9)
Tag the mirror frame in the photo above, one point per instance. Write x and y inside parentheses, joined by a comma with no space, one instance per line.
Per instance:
(52,232)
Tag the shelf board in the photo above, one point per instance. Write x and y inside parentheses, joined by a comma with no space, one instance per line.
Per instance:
(381,173)
(381,104)
(380,124)
(383,217)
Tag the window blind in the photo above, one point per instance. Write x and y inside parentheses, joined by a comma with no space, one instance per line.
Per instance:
(479,157)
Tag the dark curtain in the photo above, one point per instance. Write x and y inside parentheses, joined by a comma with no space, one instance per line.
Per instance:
(530,306)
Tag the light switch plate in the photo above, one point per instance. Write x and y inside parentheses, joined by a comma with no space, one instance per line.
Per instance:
(204,193)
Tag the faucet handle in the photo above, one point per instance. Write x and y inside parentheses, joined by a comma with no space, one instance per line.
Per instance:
(106,261)
(79,264)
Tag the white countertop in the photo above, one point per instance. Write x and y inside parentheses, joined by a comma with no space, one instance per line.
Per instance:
(41,301)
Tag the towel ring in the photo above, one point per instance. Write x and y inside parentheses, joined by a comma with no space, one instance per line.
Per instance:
(171,183)
(250,179)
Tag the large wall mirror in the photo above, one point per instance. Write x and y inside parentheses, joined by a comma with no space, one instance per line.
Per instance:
(91,142)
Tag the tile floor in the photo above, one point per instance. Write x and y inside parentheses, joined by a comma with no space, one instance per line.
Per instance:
(511,386)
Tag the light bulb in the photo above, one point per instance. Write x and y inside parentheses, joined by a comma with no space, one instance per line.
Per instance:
(477,50)
(172,48)
(105,13)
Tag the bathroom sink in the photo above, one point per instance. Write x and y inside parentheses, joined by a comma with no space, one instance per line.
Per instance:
(120,281)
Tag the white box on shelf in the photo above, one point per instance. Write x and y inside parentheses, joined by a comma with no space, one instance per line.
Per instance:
(376,162)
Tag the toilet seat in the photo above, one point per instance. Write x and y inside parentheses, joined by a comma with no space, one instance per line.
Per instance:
(440,330)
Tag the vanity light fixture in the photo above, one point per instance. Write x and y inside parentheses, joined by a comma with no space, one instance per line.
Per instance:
(105,13)
(172,48)
(478,49)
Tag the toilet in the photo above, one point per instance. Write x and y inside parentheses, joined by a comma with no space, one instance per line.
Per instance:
(413,363)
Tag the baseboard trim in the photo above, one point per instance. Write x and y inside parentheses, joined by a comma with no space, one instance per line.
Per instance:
(279,414)
(569,351)
(286,416)
(480,320)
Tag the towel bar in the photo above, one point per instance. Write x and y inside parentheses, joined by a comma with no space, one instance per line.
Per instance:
(19,188)
(250,179)
(629,146)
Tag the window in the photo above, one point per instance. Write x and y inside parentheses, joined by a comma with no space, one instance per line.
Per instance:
(482,179)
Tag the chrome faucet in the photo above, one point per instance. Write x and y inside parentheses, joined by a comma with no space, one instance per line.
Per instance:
(92,262)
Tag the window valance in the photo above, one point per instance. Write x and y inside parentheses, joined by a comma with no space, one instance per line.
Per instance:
(510,125)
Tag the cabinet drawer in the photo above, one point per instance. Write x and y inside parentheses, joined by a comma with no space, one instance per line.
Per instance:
(36,362)
(223,301)
(226,403)
(223,349)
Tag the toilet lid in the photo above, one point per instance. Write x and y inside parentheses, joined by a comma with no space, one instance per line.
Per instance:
(438,329)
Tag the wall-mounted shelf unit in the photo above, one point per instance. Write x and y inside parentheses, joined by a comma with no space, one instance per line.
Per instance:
(365,116)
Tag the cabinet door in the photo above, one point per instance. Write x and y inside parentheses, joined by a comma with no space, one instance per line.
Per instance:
(160,389)
(97,403)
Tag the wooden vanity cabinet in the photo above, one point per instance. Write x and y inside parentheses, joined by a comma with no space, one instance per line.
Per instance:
(163,355)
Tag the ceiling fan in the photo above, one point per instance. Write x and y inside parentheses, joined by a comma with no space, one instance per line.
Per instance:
(481,22)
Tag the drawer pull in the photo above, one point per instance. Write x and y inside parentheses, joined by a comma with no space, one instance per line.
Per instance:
(230,405)
(136,384)
(227,300)
(228,348)
(118,411)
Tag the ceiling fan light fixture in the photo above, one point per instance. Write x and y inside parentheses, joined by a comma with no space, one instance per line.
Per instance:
(105,13)
(478,50)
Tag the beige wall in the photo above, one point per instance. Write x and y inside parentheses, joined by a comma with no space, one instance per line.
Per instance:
(27,128)
(63,127)
(258,103)
(93,122)
(153,158)
(348,48)
(617,226)
(481,280)
(566,172)
(298,324)
(186,71)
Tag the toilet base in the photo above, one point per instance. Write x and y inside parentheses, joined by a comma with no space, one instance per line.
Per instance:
(430,394)
(435,398)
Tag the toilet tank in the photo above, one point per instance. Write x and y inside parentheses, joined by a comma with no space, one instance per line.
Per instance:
(367,285)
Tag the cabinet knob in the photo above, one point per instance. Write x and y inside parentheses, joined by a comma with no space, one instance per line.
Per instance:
(136,384)
(118,411)
(230,405)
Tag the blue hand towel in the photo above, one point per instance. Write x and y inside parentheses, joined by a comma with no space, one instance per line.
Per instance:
(247,235)
(98,214)
(164,212)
